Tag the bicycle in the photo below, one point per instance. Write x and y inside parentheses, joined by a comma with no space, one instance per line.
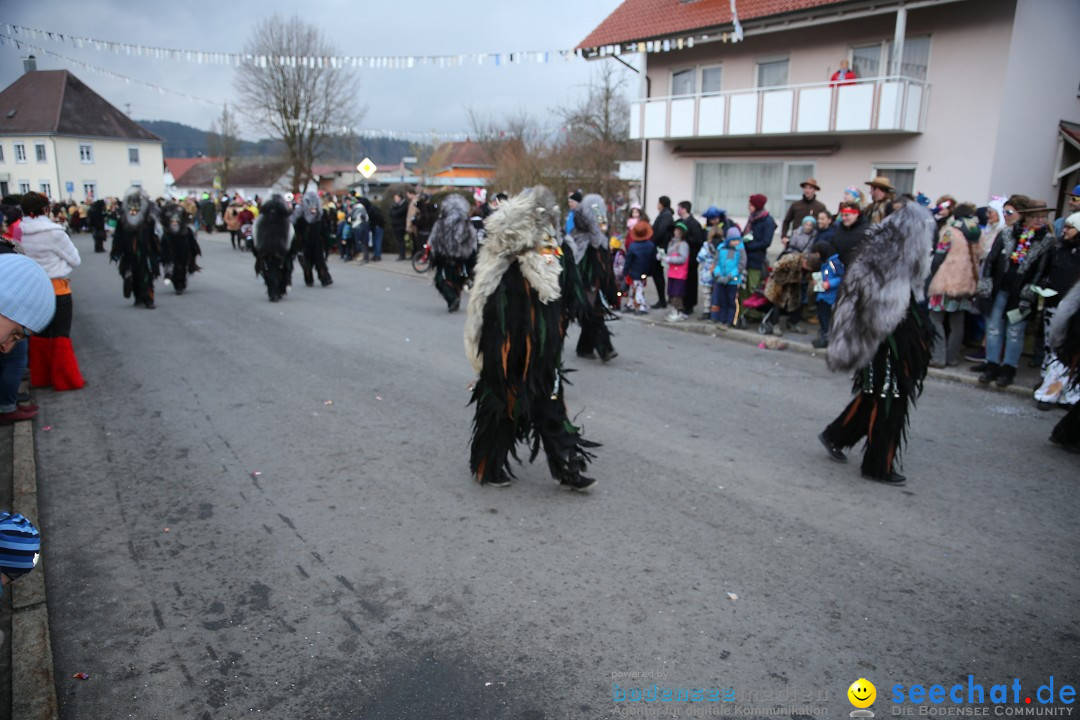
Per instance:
(421,259)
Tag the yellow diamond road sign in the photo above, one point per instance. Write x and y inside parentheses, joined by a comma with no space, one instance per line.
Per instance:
(366,167)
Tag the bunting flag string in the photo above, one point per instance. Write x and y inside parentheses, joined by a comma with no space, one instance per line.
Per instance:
(434,135)
(371,62)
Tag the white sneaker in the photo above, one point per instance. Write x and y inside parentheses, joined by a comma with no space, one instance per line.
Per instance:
(671,316)
(681,317)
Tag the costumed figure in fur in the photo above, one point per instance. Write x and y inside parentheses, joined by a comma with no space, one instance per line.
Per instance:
(137,247)
(1065,340)
(880,330)
(453,245)
(307,219)
(179,247)
(590,246)
(514,339)
(273,236)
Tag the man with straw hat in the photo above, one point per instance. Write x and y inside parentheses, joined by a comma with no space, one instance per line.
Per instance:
(882,194)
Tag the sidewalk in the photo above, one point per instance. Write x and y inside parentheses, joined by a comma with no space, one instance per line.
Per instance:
(33,688)
(1023,386)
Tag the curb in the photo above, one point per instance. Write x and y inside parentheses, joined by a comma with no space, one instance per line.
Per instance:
(33,685)
(753,338)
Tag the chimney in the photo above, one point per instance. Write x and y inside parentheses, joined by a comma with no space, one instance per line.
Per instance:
(29,64)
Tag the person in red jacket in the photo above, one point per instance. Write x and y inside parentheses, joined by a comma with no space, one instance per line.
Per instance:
(844,76)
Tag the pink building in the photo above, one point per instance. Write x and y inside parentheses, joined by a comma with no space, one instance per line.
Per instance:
(968,97)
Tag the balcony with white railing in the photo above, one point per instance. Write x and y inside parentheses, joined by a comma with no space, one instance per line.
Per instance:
(876,105)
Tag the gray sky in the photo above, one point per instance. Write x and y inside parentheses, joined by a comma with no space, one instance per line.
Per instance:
(418,99)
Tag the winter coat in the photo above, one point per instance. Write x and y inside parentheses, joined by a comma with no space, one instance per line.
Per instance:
(398,213)
(1000,274)
(731,265)
(1063,271)
(663,228)
(232,218)
(800,241)
(798,210)
(640,256)
(825,235)
(677,255)
(706,258)
(955,267)
(763,229)
(832,276)
(46,243)
(846,240)
(784,287)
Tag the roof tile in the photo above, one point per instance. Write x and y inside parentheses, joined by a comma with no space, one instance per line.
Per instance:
(55,101)
(642,19)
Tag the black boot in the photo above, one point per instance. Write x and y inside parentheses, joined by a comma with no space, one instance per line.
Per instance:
(1005,377)
(990,373)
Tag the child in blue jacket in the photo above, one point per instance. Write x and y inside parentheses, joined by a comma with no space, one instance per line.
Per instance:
(828,273)
(730,274)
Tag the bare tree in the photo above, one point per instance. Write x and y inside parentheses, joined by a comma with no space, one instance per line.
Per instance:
(596,133)
(222,142)
(294,91)
(517,145)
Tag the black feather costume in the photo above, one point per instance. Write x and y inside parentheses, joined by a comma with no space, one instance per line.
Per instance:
(1065,339)
(597,277)
(514,338)
(272,235)
(881,328)
(453,246)
(179,247)
(309,247)
(136,247)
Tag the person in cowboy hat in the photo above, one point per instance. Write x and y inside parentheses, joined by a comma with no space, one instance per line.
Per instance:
(882,194)
(808,205)
(1072,205)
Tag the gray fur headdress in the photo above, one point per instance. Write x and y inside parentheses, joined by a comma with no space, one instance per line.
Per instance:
(590,213)
(136,208)
(453,234)
(522,231)
(890,266)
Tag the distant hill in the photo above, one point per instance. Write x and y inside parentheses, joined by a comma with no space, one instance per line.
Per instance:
(185,141)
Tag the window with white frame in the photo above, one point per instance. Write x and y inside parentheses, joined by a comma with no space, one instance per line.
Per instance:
(682,82)
(871,61)
(3,188)
(45,189)
(86,153)
(133,155)
(729,184)
(902,175)
(20,153)
(772,73)
(915,62)
(89,189)
(39,152)
(24,187)
(1,153)
(711,79)
(866,60)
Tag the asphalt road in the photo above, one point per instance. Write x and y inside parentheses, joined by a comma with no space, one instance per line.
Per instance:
(363,574)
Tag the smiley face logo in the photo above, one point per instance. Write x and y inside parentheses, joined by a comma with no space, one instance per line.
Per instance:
(862,693)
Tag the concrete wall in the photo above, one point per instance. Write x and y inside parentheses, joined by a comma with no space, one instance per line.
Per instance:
(31,171)
(110,169)
(1041,85)
(969,57)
